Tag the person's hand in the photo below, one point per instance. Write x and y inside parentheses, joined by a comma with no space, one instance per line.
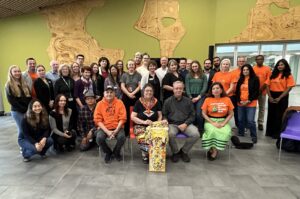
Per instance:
(271,99)
(182,127)
(277,100)
(195,99)
(67,134)
(147,122)
(38,147)
(51,103)
(110,134)
(164,122)
(89,135)
(43,142)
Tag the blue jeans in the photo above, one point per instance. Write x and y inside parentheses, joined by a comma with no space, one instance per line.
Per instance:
(28,149)
(18,117)
(247,119)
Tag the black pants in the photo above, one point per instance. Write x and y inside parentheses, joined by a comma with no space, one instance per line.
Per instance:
(128,103)
(60,141)
(275,113)
(101,141)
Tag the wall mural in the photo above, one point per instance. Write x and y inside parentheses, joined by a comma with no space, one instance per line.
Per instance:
(69,37)
(68,33)
(151,23)
(263,26)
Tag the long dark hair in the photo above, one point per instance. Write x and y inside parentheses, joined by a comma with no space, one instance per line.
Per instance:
(251,73)
(111,78)
(286,72)
(31,116)
(56,104)
(223,94)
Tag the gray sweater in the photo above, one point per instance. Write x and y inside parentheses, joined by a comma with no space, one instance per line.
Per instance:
(179,111)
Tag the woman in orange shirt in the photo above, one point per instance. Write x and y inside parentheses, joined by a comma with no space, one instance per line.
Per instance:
(228,81)
(217,110)
(247,91)
(278,88)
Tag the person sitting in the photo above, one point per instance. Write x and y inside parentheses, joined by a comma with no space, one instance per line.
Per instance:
(146,110)
(179,111)
(85,122)
(62,125)
(109,118)
(217,110)
(35,130)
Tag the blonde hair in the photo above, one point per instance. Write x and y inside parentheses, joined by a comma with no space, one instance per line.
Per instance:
(15,84)
(61,67)
(224,60)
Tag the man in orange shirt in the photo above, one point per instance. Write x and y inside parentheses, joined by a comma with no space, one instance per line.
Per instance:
(30,75)
(263,73)
(109,118)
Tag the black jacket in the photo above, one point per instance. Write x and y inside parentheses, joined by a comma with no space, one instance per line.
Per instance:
(44,92)
(64,87)
(19,104)
(34,135)
(253,89)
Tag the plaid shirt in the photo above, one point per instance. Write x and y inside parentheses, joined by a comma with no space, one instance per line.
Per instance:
(85,121)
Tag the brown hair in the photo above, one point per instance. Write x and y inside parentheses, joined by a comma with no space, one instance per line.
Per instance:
(223,94)
(31,116)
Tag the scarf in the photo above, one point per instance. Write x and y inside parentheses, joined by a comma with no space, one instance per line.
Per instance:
(149,106)
(87,84)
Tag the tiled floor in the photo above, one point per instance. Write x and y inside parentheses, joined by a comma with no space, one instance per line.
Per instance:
(255,173)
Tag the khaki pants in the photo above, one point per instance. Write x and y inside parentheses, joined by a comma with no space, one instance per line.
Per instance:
(261,109)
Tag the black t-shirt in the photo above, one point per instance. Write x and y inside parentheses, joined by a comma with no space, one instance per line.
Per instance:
(169,79)
(141,111)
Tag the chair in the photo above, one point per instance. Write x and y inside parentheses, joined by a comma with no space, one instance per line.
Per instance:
(292,130)
(131,134)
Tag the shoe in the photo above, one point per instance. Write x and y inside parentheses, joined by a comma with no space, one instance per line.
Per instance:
(175,157)
(107,158)
(118,157)
(260,127)
(145,160)
(254,140)
(26,160)
(43,156)
(185,157)
(213,158)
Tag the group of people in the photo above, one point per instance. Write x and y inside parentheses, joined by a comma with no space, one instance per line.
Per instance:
(97,102)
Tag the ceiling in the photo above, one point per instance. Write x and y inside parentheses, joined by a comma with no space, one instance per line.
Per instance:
(18,7)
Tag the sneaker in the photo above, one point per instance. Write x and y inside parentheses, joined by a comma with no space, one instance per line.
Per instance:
(26,160)
(260,127)
(145,160)
(185,157)
(175,157)
(107,158)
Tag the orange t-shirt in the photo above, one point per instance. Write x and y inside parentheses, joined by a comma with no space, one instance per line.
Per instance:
(225,78)
(263,73)
(245,94)
(281,84)
(217,107)
(236,73)
(33,76)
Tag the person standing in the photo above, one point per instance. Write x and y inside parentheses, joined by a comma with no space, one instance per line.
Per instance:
(18,95)
(247,91)
(53,73)
(30,75)
(182,67)
(263,73)
(44,88)
(279,85)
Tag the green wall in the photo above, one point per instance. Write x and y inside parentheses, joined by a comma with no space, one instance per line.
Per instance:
(206,21)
